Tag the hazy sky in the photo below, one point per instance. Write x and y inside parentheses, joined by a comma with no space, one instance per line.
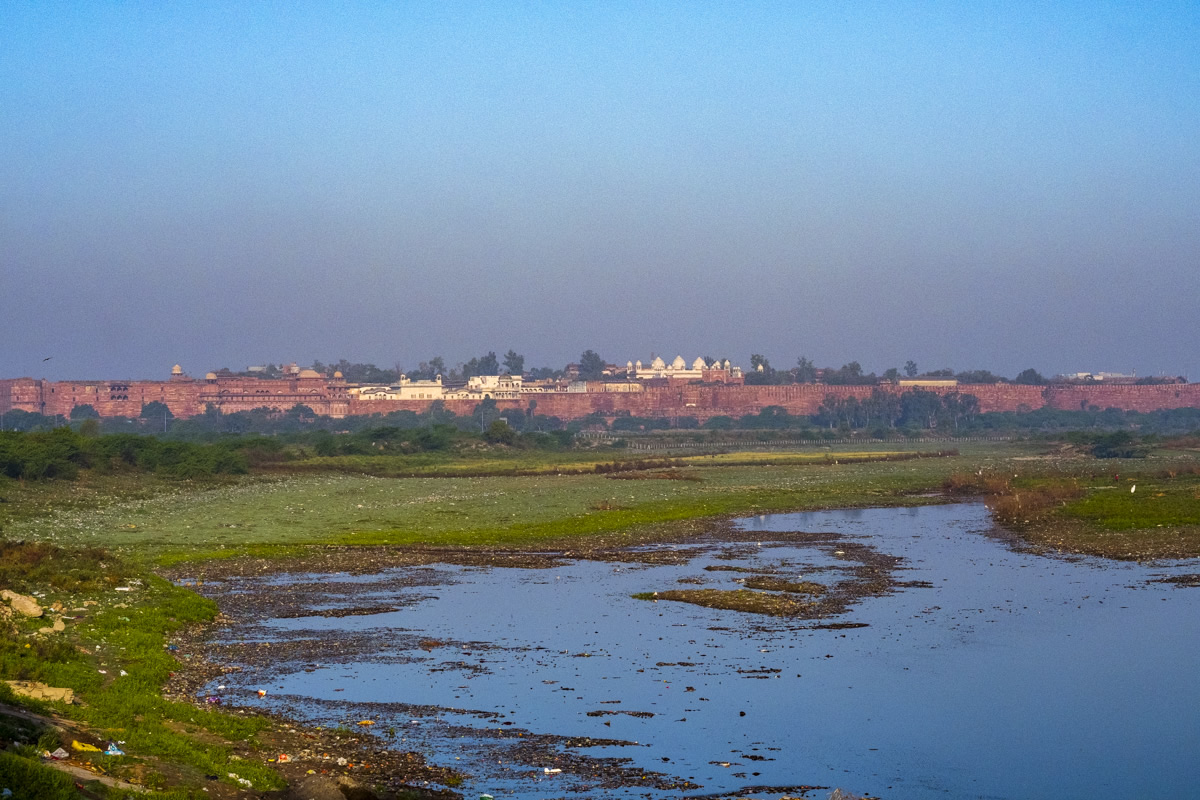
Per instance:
(969,185)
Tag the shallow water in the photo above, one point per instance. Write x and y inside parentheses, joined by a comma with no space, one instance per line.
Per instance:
(1013,676)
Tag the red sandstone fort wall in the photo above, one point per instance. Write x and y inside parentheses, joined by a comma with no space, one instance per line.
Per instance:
(186,397)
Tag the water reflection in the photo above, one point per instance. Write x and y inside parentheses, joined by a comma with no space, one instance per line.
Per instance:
(1011,676)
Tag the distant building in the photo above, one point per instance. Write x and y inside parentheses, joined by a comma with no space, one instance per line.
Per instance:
(678,370)
(484,387)
(405,389)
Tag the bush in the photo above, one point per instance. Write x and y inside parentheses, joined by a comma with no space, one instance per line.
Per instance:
(30,780)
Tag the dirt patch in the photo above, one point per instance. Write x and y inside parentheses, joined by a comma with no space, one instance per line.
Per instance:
(1189,581)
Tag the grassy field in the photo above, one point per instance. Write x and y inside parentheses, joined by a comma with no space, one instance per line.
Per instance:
(1144,517)
(184,520)
(152,519)
(493,463)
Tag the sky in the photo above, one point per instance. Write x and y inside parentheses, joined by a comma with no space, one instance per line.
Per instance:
(968,185)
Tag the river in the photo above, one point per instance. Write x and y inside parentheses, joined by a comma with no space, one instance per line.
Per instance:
(994,673)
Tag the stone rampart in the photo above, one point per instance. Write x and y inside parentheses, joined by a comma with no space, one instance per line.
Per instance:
(186,397)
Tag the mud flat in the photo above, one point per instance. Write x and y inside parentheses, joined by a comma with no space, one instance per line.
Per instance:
(916,655)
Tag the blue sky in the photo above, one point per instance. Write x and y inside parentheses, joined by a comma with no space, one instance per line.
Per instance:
(975,185)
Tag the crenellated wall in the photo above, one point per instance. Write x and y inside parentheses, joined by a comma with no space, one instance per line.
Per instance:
(187,397)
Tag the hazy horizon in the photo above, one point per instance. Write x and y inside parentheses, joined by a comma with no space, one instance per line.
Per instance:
(991,186)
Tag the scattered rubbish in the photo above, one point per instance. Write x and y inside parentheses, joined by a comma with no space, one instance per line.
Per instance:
(240,780)
(551,770)
(366,722)
(213,700)
(284,758)
(123,673)
(124,588)
(60,755)
(262,692)
(341,762)
(113,750)
(6,793)
(83,747)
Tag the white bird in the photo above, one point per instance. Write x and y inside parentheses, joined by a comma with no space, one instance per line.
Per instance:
(1133,488)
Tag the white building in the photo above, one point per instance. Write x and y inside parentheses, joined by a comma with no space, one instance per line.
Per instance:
(497,387)
(679,370)
(404,390)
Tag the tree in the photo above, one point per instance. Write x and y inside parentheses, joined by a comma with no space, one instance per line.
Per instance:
(1030,377)
(428,370)
(498,432)
(892,374)
(978,376)
(156,413)
(805,371)
(489,365)
(85,411)
(960,407)
(910,368)
(850,375)
(514,362)
(591,366)
(761,372)
(485,413)
(362,373)
(920,408)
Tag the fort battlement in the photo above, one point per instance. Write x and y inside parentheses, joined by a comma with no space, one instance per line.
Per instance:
(187,397)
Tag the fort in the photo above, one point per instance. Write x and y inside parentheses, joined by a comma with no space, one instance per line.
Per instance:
(712,394)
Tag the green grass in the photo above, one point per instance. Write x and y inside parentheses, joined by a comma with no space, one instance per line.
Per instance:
(30,780)
(1155,503)
(262,514)
(126,633)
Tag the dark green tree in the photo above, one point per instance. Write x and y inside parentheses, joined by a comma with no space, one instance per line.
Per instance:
(850,375)
(910,368)
(489,364)
(485,413)
(805,371)
(1030,377)
(156,414)
(428,370)
(498,432)
(514,362)
(591,366)
(978,376)
(85,411)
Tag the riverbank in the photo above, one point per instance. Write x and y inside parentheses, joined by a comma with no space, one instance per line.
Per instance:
(89,541)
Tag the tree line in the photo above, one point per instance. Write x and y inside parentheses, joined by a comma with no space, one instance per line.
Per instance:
(852,374)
